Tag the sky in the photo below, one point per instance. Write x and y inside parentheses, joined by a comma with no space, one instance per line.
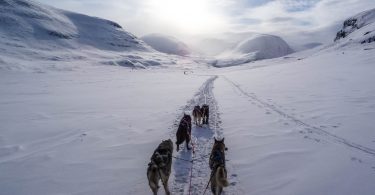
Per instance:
(194,17)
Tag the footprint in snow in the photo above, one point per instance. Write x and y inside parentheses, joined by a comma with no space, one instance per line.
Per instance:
(268,112)
(82,136)
(356,159)
(308,130)
(149,130)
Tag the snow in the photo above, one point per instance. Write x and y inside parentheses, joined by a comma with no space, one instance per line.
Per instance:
(78,116)
(37,32)
(38,24)
(257,47)
(83,133)
(166,44)
(304,123)
(357,29)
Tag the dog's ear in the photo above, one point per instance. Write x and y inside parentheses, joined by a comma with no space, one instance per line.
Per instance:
(222,140)
(215,139)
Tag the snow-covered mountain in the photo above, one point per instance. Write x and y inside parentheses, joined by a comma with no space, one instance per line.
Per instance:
(257,47)
(299,124)
(264,47)
(211,46)
(37,25)
(166,44)
(31,31)
(358,29)
(216,44)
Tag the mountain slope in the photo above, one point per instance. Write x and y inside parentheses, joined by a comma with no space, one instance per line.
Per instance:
(358,29)
(257,47)
(264,46)
(166,44)
(38,24)
(61,40)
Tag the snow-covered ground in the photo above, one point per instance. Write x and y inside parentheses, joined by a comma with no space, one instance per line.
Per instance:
(86,119)
(292,126)
(85,133)
(302,127)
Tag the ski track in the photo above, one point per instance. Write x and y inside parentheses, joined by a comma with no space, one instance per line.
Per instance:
(202,138)
(311,129)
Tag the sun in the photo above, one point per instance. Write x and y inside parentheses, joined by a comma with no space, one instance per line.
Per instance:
(190,16)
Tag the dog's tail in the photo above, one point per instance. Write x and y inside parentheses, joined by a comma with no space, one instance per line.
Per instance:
(221,176)
(152,176)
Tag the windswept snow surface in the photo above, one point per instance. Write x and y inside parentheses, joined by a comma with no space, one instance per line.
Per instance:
(85,121)
(302,127)
(292,126)
(86,133)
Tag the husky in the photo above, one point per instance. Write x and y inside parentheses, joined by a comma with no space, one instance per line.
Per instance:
(205,113)
(160,167)
(217,165)
(184,132)
(197,115)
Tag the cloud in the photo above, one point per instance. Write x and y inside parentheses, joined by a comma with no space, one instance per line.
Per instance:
(280,17)
(298,5)
(294,15)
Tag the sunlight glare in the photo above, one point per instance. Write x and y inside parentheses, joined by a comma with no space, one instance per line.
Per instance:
(190,16)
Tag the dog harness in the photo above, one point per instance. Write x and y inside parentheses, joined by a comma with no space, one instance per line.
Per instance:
(217,159)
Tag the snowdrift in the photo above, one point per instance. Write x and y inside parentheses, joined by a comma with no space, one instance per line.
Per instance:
(166,44)
(358,29)
(257,47)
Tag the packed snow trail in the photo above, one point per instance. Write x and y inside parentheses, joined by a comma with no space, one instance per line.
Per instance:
(202,140)
(310,129)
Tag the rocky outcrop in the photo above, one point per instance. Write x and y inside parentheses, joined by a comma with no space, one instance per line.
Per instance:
(359,28)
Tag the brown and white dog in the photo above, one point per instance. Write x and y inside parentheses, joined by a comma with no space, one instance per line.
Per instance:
(197,115)
(160,166)
(217,165)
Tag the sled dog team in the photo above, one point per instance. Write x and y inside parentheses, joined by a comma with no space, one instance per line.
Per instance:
(161,160)
(201,115)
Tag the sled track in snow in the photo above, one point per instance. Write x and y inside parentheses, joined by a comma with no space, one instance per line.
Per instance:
(202,139)
(310,128)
